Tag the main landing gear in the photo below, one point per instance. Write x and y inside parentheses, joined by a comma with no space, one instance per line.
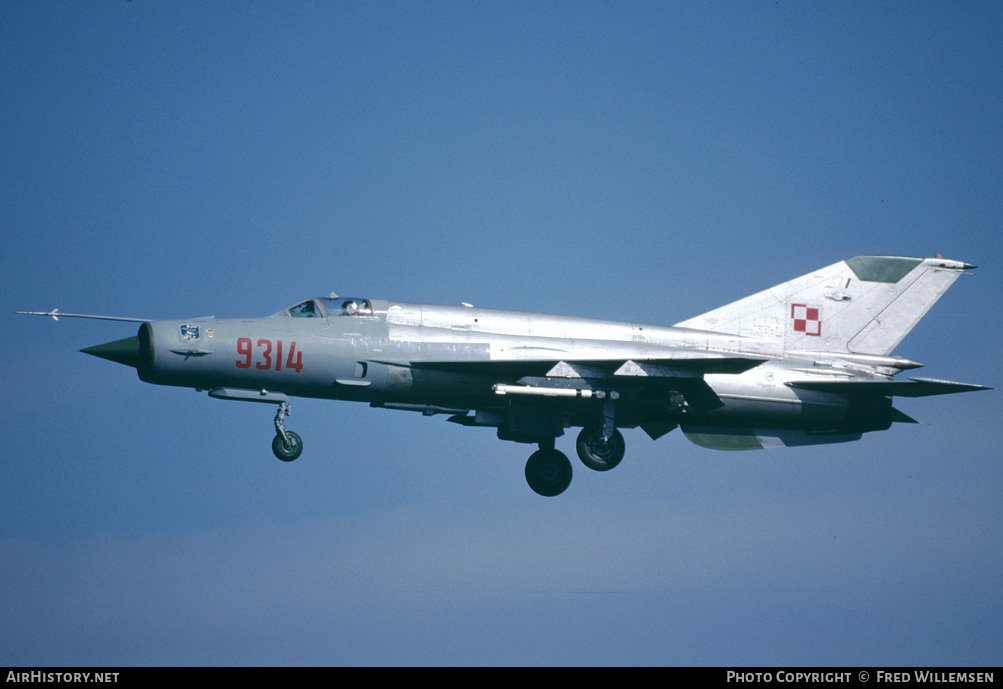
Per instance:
(548,471)
(597,452)
(286,445)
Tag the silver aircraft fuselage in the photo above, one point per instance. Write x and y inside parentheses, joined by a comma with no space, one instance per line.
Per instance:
(806,362)
(442,359)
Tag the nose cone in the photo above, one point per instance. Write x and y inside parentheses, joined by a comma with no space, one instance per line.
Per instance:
(126,351)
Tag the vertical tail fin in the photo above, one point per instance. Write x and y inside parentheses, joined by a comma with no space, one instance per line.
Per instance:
(863,305)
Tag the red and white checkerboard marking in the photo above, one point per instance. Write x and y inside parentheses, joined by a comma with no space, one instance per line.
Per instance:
(806,319)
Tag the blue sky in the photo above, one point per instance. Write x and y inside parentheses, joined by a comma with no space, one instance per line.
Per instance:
(647,161)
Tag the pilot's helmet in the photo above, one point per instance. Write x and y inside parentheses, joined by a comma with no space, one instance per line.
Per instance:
(350,307)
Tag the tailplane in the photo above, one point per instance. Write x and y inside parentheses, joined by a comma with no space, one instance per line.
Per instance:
(863,305)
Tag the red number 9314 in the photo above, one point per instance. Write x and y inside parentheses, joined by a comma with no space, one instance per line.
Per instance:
(268,357)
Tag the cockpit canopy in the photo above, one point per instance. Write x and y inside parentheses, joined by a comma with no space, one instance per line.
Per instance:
(327,307)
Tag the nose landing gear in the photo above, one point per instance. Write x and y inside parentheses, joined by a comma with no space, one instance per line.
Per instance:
(286,445)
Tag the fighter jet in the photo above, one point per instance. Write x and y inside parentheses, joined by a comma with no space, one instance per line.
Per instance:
(807,362)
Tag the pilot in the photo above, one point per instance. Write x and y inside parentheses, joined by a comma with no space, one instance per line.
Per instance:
(350,308)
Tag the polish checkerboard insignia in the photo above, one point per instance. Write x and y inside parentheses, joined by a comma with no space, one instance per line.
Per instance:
(807,319)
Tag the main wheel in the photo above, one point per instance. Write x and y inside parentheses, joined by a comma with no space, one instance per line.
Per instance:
(548,472)
(599,454)
(287,452)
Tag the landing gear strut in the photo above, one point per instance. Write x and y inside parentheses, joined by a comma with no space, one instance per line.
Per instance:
(286,445)
(548,471)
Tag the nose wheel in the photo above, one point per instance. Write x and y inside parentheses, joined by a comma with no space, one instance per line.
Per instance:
(286,445)
(289,448)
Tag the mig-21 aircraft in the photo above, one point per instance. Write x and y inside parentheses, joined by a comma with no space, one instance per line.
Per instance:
(807,362)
